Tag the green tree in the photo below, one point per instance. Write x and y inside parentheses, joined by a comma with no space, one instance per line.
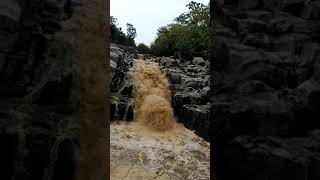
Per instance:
(164,43)
(131,31)
(131,35)
(118,36)
(188,35)
(197,16)
(143,49)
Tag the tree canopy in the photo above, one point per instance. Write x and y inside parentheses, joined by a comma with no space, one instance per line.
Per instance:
(119,37)
(188,36)
(143,49)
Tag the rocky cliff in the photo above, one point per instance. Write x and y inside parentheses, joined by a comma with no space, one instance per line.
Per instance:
(265,102)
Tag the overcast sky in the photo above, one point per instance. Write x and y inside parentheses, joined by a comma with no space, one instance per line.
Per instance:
(147,15)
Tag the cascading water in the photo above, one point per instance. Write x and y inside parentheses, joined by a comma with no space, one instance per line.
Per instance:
(154,146)
(152,96)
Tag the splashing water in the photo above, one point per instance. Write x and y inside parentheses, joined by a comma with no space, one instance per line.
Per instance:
(152,96)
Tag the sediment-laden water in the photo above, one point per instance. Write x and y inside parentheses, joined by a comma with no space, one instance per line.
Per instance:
(152,96)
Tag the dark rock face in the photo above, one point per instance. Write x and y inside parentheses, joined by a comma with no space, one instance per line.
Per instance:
(189,85)
(120,62)
(265,90)
(122,108)
(37,129)
(196,117)
(121,101)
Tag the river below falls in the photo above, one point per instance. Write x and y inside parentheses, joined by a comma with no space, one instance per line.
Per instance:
(138,153)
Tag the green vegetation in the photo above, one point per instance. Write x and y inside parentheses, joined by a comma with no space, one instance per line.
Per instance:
(143,49)
(119,37)
(187,37)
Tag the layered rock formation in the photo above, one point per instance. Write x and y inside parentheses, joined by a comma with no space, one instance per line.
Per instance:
(44,90)
(189,84)
(266,84)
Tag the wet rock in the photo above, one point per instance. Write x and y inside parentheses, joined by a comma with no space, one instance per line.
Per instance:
(121,108)
(195,83)
(167,61)
(198,61)
(196,117)
(120,63)
(190,97)
(121,105)
(116,55)
(174,75)
(129,50)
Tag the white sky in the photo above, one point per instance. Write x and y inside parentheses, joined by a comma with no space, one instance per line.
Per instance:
(147,15)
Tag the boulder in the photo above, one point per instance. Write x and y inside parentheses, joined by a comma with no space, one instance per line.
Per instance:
(190,97)
(174,75)
(198,61)
(196,117)
(141,56)
(168,62)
